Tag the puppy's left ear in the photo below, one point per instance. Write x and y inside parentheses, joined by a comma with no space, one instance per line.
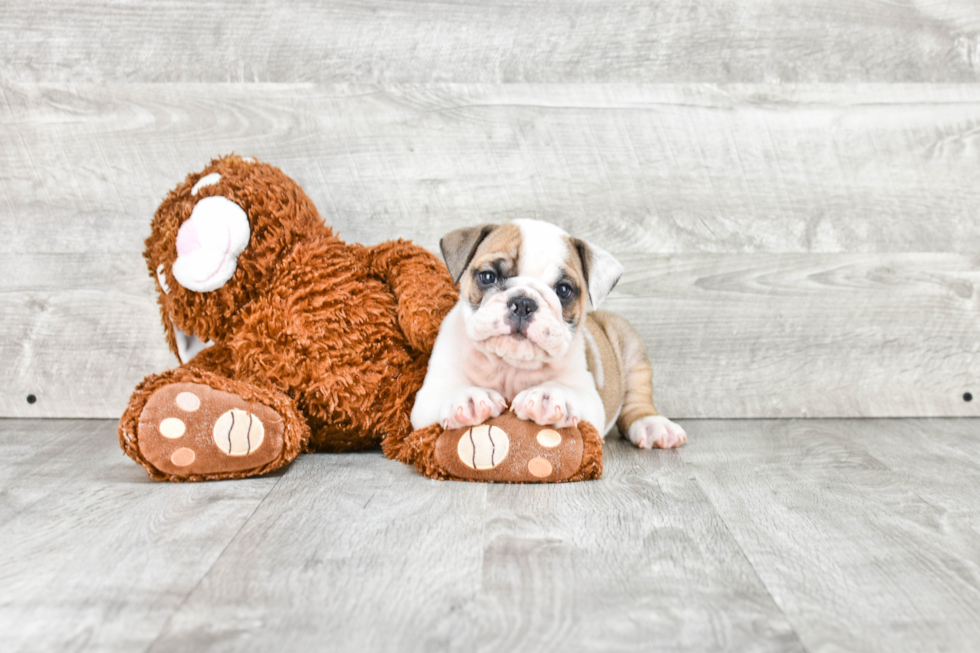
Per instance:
(601,269)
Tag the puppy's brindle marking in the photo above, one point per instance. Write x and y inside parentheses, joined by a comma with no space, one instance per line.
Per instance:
(515,337)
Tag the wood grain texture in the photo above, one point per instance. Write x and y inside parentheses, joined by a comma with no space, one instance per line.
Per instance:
(644,171)
(354,552)
(95,556)
(792,335)
(653,173)
(634,562)
(641,168)
(781,535)
(865,533)
(940,468)
(383,559)
(504,41)
(819,335)
(79,331)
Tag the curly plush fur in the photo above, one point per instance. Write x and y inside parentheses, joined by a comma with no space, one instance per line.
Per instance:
(333,337)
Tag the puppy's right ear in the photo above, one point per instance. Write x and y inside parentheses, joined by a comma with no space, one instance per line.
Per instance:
(458,247)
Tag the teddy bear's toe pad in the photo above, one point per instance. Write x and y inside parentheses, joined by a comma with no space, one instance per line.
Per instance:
(189,429)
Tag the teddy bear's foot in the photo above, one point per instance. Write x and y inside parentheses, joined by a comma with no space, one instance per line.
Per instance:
(188,430)
(504,449)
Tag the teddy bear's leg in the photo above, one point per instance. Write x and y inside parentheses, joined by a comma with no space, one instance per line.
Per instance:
(422,286)
(190,424)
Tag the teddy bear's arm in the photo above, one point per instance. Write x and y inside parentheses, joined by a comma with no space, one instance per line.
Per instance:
(421,285)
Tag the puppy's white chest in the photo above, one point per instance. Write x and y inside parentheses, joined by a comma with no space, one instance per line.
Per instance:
(484,372)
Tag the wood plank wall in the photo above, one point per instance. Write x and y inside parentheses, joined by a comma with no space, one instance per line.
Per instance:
(792,186)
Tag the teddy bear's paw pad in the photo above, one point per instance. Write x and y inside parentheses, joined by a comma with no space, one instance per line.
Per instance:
(189,429)
(511,450)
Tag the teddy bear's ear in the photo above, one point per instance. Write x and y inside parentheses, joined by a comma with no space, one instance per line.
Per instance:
(458,247)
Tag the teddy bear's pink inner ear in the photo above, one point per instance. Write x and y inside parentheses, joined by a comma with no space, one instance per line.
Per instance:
(209,243)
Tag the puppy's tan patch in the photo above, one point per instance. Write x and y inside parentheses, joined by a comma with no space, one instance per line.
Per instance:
(621,352)
(573,270)
(498,253)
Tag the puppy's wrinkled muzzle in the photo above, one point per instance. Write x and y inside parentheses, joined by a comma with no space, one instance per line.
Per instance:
(522,326)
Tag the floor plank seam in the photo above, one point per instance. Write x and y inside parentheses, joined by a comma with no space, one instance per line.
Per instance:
(741,550)
(217,559)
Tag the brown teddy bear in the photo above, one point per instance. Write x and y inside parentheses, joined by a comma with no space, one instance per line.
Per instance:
(289,338)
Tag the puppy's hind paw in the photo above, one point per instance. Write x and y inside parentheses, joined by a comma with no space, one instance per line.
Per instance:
(656,431)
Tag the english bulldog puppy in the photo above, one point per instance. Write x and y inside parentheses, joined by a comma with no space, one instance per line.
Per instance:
(523,335)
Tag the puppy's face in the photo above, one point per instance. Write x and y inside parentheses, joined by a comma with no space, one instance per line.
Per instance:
(525,287)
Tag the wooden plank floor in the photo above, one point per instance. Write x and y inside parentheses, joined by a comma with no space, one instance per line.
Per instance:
(779,535)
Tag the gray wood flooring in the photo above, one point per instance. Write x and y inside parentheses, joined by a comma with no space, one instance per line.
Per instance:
(774,535)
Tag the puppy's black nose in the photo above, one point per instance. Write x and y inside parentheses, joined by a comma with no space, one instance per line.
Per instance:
(522,307)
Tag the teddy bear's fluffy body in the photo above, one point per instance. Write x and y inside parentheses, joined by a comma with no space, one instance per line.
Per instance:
(334,336)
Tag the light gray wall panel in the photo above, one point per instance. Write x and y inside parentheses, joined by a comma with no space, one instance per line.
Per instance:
(668,169)
(665,176)
(820,335)
(78,332)
(698,187)
(815,335)
(472,41)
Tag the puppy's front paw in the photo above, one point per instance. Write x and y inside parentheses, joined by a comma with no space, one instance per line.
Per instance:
(547,405)
(656,431)
(472,406)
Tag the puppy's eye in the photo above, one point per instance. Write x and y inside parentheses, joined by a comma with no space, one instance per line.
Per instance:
(564,290)
(487,278)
